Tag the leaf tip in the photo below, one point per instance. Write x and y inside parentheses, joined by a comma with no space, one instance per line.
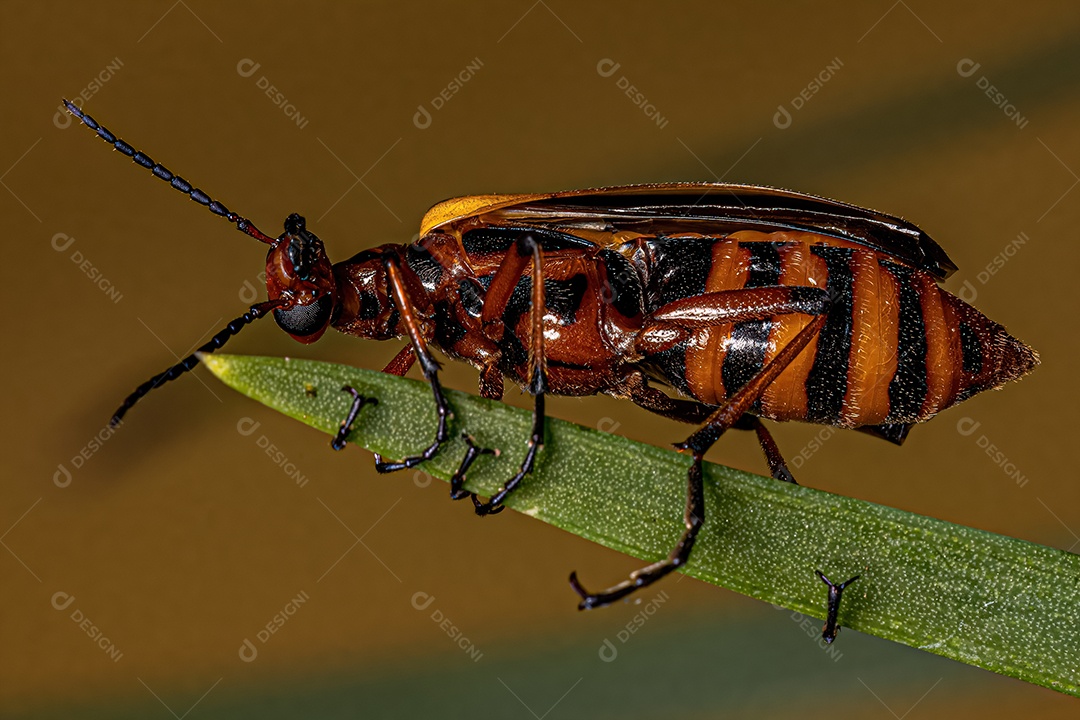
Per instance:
(217,364)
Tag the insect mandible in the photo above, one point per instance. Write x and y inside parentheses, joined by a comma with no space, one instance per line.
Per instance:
(750,302)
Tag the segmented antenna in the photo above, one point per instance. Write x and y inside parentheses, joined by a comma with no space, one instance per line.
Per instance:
(178,183)
(253,314)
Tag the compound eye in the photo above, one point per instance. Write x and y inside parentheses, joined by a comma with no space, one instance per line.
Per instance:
(305,320)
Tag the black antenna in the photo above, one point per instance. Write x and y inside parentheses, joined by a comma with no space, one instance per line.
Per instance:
(242,224)
(253,314)
(178,183)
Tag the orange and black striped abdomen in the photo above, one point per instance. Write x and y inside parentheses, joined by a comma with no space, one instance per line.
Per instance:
(895,349)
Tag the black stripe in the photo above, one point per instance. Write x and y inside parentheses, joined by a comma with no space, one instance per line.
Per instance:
(512,354)
(369,305)
(623,289)
(827,382)
(895,433)
(681,268)
(448,331)
(392,321)
(499,239)
(749,340)
(471,297)
(563,297)
(909,386)
(426,267)
(670,364)
(518,302)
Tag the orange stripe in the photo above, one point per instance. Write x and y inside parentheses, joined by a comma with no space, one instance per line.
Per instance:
(940,361)
(956,351)
(785,398)
(873,343)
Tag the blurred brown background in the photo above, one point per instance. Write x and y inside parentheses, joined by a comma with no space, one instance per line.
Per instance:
(179,538)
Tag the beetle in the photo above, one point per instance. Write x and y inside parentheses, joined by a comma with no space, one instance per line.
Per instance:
(750,302)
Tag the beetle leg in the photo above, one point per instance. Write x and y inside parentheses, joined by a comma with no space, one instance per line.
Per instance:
(536,443)
(723,418)
(491,387)
(693,517)
(831,628)
(777,466)
(398,366)
(428,365)
(674,322)
(537,374)
(457,492)
(496,297)
(491,382)
(636,387)
(401,362)
(502,286)
(359,401)
(670,324)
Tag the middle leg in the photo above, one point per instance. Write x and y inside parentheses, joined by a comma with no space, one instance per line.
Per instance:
(525,248)
(777,466)
(636,387)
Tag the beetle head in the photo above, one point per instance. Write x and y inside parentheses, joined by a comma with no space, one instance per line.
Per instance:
(298,271)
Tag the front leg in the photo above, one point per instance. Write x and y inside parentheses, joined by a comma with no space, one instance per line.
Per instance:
(398,366)
(428,366)
(358,401)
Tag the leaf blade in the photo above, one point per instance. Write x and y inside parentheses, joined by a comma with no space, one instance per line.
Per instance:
(1003,604)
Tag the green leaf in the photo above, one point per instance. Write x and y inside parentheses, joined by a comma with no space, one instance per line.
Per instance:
(1003,604)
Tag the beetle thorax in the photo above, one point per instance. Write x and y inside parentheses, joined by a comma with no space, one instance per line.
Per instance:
(364,307)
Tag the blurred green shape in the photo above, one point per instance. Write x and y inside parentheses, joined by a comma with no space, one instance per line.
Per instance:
(1006,605)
